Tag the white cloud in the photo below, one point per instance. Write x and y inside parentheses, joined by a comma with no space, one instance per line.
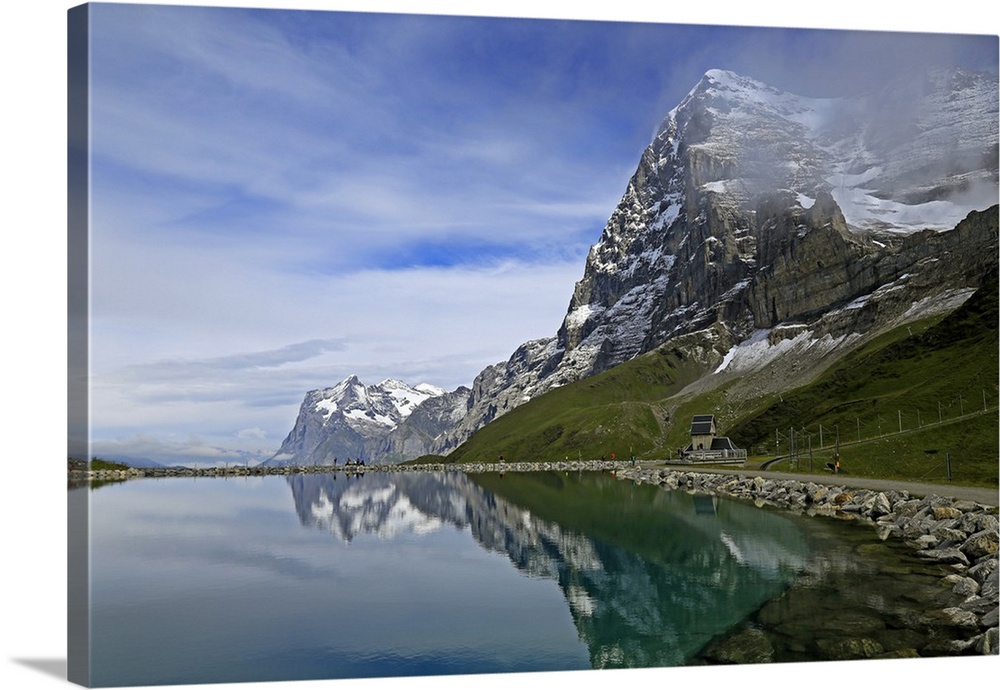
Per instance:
(188,451)
(434,325)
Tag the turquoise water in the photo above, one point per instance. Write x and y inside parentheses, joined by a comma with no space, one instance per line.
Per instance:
(402,574)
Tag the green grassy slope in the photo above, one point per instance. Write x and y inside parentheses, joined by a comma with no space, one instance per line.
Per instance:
(902,403)
(936,379)
(107,465)
(617,412)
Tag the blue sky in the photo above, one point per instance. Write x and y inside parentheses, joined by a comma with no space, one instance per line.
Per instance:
(284,198)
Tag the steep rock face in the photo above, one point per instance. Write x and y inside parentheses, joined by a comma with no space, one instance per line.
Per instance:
(903,280)
(502,387)
(808,261)
(812,266)
(418,434)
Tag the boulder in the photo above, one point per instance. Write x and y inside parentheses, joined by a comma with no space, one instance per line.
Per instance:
(946,513)
(843,498)
(949,555)
(988,642)
(991,585)
(886,530)
(980,544)
(750,646)
(878,505)
(991,619)
(966,587)
(853,648)
(951,617)
(924,542)
(981,606)
(950,534)
(982,569)
(952,647)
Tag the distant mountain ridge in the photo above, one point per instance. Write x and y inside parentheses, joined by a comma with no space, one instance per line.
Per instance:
(354,421)
(754,216)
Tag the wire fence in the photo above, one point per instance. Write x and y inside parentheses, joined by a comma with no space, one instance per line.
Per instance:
(819,445)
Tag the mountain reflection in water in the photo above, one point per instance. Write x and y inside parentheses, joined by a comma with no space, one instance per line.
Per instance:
(650,576)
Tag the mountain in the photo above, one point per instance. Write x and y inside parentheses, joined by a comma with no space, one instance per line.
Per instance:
(762,220)
(354,421)
(754,213)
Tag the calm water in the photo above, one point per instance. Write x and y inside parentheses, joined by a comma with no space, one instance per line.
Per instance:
(325,576)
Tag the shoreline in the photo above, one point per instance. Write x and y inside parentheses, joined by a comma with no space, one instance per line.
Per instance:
(258,471)
(982,495)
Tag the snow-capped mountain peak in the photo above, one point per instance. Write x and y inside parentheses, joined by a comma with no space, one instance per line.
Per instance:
(387,403)
(430,389)
(352,420)
(919,153)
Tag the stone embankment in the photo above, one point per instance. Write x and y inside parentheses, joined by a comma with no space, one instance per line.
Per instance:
(114,475)
(960,535)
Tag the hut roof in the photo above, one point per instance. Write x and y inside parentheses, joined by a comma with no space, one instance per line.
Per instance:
(703,424)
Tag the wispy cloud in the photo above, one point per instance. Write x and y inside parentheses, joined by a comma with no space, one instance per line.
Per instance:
(240,362)
(419,325)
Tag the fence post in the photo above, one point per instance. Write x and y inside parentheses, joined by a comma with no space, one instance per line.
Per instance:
(947,464)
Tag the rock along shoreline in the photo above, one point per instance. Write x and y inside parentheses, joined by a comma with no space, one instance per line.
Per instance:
(959,535)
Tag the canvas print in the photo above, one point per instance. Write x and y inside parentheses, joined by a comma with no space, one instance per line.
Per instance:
(412,345)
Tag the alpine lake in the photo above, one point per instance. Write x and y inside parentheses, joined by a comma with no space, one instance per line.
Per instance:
(337,575)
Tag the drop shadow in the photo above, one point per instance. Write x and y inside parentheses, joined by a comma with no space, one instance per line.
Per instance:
(50,667)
